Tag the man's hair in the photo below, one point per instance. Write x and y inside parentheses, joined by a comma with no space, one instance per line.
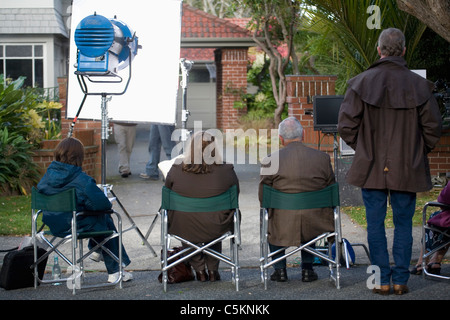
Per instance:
(391,42)
(290,128)
(70,151)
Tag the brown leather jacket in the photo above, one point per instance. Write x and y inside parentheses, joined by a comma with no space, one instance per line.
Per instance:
(391,119)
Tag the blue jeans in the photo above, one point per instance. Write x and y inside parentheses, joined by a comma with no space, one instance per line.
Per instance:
(159,135)
(403,206)
(307,258)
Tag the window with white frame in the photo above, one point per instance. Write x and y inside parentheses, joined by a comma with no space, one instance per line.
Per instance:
(23,60)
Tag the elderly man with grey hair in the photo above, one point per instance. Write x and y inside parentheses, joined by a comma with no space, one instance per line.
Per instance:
(301,169)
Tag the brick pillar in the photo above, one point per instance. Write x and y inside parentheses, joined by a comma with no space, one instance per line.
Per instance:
(231,69)
(300,92)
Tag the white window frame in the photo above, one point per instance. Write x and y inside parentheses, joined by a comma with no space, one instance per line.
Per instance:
(33,58)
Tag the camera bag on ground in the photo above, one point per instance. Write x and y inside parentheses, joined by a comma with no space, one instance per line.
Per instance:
(17,271)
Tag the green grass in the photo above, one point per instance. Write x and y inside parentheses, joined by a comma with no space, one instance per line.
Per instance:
(15,215)
(358,214)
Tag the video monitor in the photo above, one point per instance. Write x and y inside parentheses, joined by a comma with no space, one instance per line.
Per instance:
(326,113)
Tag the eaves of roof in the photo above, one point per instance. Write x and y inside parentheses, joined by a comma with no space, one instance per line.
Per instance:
(200,29)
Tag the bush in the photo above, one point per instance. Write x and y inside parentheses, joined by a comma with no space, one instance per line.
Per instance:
(25,120)
(18,172)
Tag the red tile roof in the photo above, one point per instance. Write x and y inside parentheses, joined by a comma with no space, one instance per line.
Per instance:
(198,24)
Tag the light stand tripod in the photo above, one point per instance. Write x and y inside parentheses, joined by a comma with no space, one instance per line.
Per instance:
(107,189)
(186,66)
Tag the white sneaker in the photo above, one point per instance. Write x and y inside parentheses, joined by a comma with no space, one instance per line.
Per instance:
(127,276)
(96,256)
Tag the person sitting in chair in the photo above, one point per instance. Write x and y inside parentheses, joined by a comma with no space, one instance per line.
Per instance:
(301,169)
(201,174)
(64,173)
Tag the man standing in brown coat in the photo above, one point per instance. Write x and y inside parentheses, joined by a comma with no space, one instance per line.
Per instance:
(391,119)
(300,169)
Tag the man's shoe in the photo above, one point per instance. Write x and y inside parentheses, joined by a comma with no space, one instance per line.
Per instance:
(308,275)
(384,289)
(400,289)
(279,275)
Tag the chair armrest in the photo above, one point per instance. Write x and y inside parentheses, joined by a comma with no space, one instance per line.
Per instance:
(438,204)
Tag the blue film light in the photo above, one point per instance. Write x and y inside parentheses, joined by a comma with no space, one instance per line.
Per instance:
(104,45)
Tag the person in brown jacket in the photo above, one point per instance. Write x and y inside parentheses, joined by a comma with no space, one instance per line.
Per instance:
(205,177)
(300,169)
(391,119)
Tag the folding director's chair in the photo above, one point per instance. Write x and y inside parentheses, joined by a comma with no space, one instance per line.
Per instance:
(225,201)
(66,202)
(327,197)
(444,233)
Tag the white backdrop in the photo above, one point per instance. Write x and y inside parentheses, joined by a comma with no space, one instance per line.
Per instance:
(152,92)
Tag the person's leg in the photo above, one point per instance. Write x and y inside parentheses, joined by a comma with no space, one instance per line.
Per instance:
(280,273)
(403,207)
(131,139)
(120,135)
(375,202)
(165,133)
(154,149)
(104,223)
(308,274)
(212,263)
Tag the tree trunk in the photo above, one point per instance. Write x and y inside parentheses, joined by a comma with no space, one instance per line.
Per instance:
(434,13)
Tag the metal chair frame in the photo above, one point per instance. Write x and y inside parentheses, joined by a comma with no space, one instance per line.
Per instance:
(226,201)
(425,227)
(66,202)
(327,197)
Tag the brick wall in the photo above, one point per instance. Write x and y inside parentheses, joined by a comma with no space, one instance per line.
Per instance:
(301,89)
(439,158)
(231,68)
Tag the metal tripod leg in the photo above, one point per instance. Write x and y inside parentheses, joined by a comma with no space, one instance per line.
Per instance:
(133,225)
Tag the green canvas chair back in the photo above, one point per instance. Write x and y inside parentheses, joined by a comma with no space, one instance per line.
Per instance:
(327,197)
(225,201)
(64,201)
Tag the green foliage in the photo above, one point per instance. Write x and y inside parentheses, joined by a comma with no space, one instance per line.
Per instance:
(260,105)
(25,120)
(16,108)
(18,172)
(346,45)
